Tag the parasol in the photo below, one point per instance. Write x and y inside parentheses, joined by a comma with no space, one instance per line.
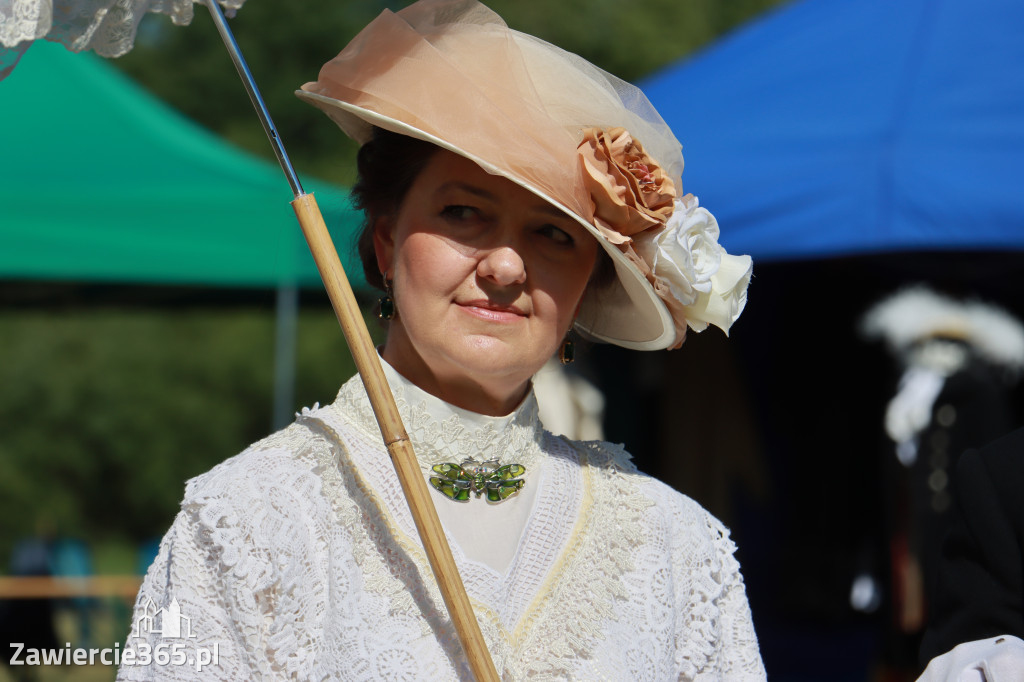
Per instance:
(108,28)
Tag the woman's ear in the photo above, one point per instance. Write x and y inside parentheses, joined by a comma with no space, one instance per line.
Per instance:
(383,245)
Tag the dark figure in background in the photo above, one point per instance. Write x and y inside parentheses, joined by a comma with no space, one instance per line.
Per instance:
(28,621)
(970,410)
(978,607)
(71,557)
(959,361)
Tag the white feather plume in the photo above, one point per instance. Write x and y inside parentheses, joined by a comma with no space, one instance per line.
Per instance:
(918,313)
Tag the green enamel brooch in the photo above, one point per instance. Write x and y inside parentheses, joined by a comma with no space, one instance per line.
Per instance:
(456,481)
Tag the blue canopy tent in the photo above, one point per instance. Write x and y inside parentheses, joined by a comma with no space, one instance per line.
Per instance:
(833,128)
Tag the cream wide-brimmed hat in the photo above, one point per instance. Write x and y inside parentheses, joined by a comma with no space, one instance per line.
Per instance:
(452,73)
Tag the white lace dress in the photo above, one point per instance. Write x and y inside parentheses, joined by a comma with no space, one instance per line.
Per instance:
(299,559)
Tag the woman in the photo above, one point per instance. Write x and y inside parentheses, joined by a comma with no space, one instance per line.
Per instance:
(507,202)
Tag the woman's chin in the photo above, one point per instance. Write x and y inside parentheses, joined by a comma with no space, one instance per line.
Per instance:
(483,356)
(498,358)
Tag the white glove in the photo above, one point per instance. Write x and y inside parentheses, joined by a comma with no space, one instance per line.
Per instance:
(999,659)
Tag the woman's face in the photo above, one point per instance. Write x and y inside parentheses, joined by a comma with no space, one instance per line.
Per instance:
(487,280)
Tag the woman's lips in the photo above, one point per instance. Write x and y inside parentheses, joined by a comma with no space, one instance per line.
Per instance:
(492,311)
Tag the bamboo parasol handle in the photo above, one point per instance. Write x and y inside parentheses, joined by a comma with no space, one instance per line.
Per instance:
(395,438)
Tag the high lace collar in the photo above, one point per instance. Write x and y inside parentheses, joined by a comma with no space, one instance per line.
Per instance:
(441,432)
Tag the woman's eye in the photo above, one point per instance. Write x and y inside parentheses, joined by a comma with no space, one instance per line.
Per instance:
(557,234)
(457,212)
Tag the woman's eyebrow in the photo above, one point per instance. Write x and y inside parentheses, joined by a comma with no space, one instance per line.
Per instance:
(540,207)
(466,187)
(554,212)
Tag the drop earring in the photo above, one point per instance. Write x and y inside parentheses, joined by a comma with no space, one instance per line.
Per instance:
(386,303)
(567,353)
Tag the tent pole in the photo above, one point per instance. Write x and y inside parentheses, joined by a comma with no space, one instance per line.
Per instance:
(286,316)
(399,447)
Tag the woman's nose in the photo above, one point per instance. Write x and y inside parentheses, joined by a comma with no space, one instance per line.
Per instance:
(503,266)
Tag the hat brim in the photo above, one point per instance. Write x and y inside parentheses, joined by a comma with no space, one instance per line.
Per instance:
(627,313)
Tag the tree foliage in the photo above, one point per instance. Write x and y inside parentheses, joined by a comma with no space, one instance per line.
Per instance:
(286,43)
(107,412)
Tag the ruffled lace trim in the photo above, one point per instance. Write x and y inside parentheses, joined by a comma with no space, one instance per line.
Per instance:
(105,26)
(589,577)
(450,438)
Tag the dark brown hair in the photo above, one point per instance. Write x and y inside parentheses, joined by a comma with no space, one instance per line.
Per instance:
(388,164)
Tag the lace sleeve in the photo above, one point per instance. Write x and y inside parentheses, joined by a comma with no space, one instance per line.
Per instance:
(738,655)
(239,572)
(181,628)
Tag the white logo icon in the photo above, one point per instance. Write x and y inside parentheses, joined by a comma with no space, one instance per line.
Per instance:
(166,622)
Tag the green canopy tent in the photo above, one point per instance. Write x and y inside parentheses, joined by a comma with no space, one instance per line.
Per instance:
(103,183)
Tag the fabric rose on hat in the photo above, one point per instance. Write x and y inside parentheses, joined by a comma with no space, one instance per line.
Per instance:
(686,254)
(630,191)
(672,241)
(727,298)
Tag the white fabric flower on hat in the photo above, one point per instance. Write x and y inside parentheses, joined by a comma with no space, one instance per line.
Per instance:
(687,259)
(723,305)
(685,254)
